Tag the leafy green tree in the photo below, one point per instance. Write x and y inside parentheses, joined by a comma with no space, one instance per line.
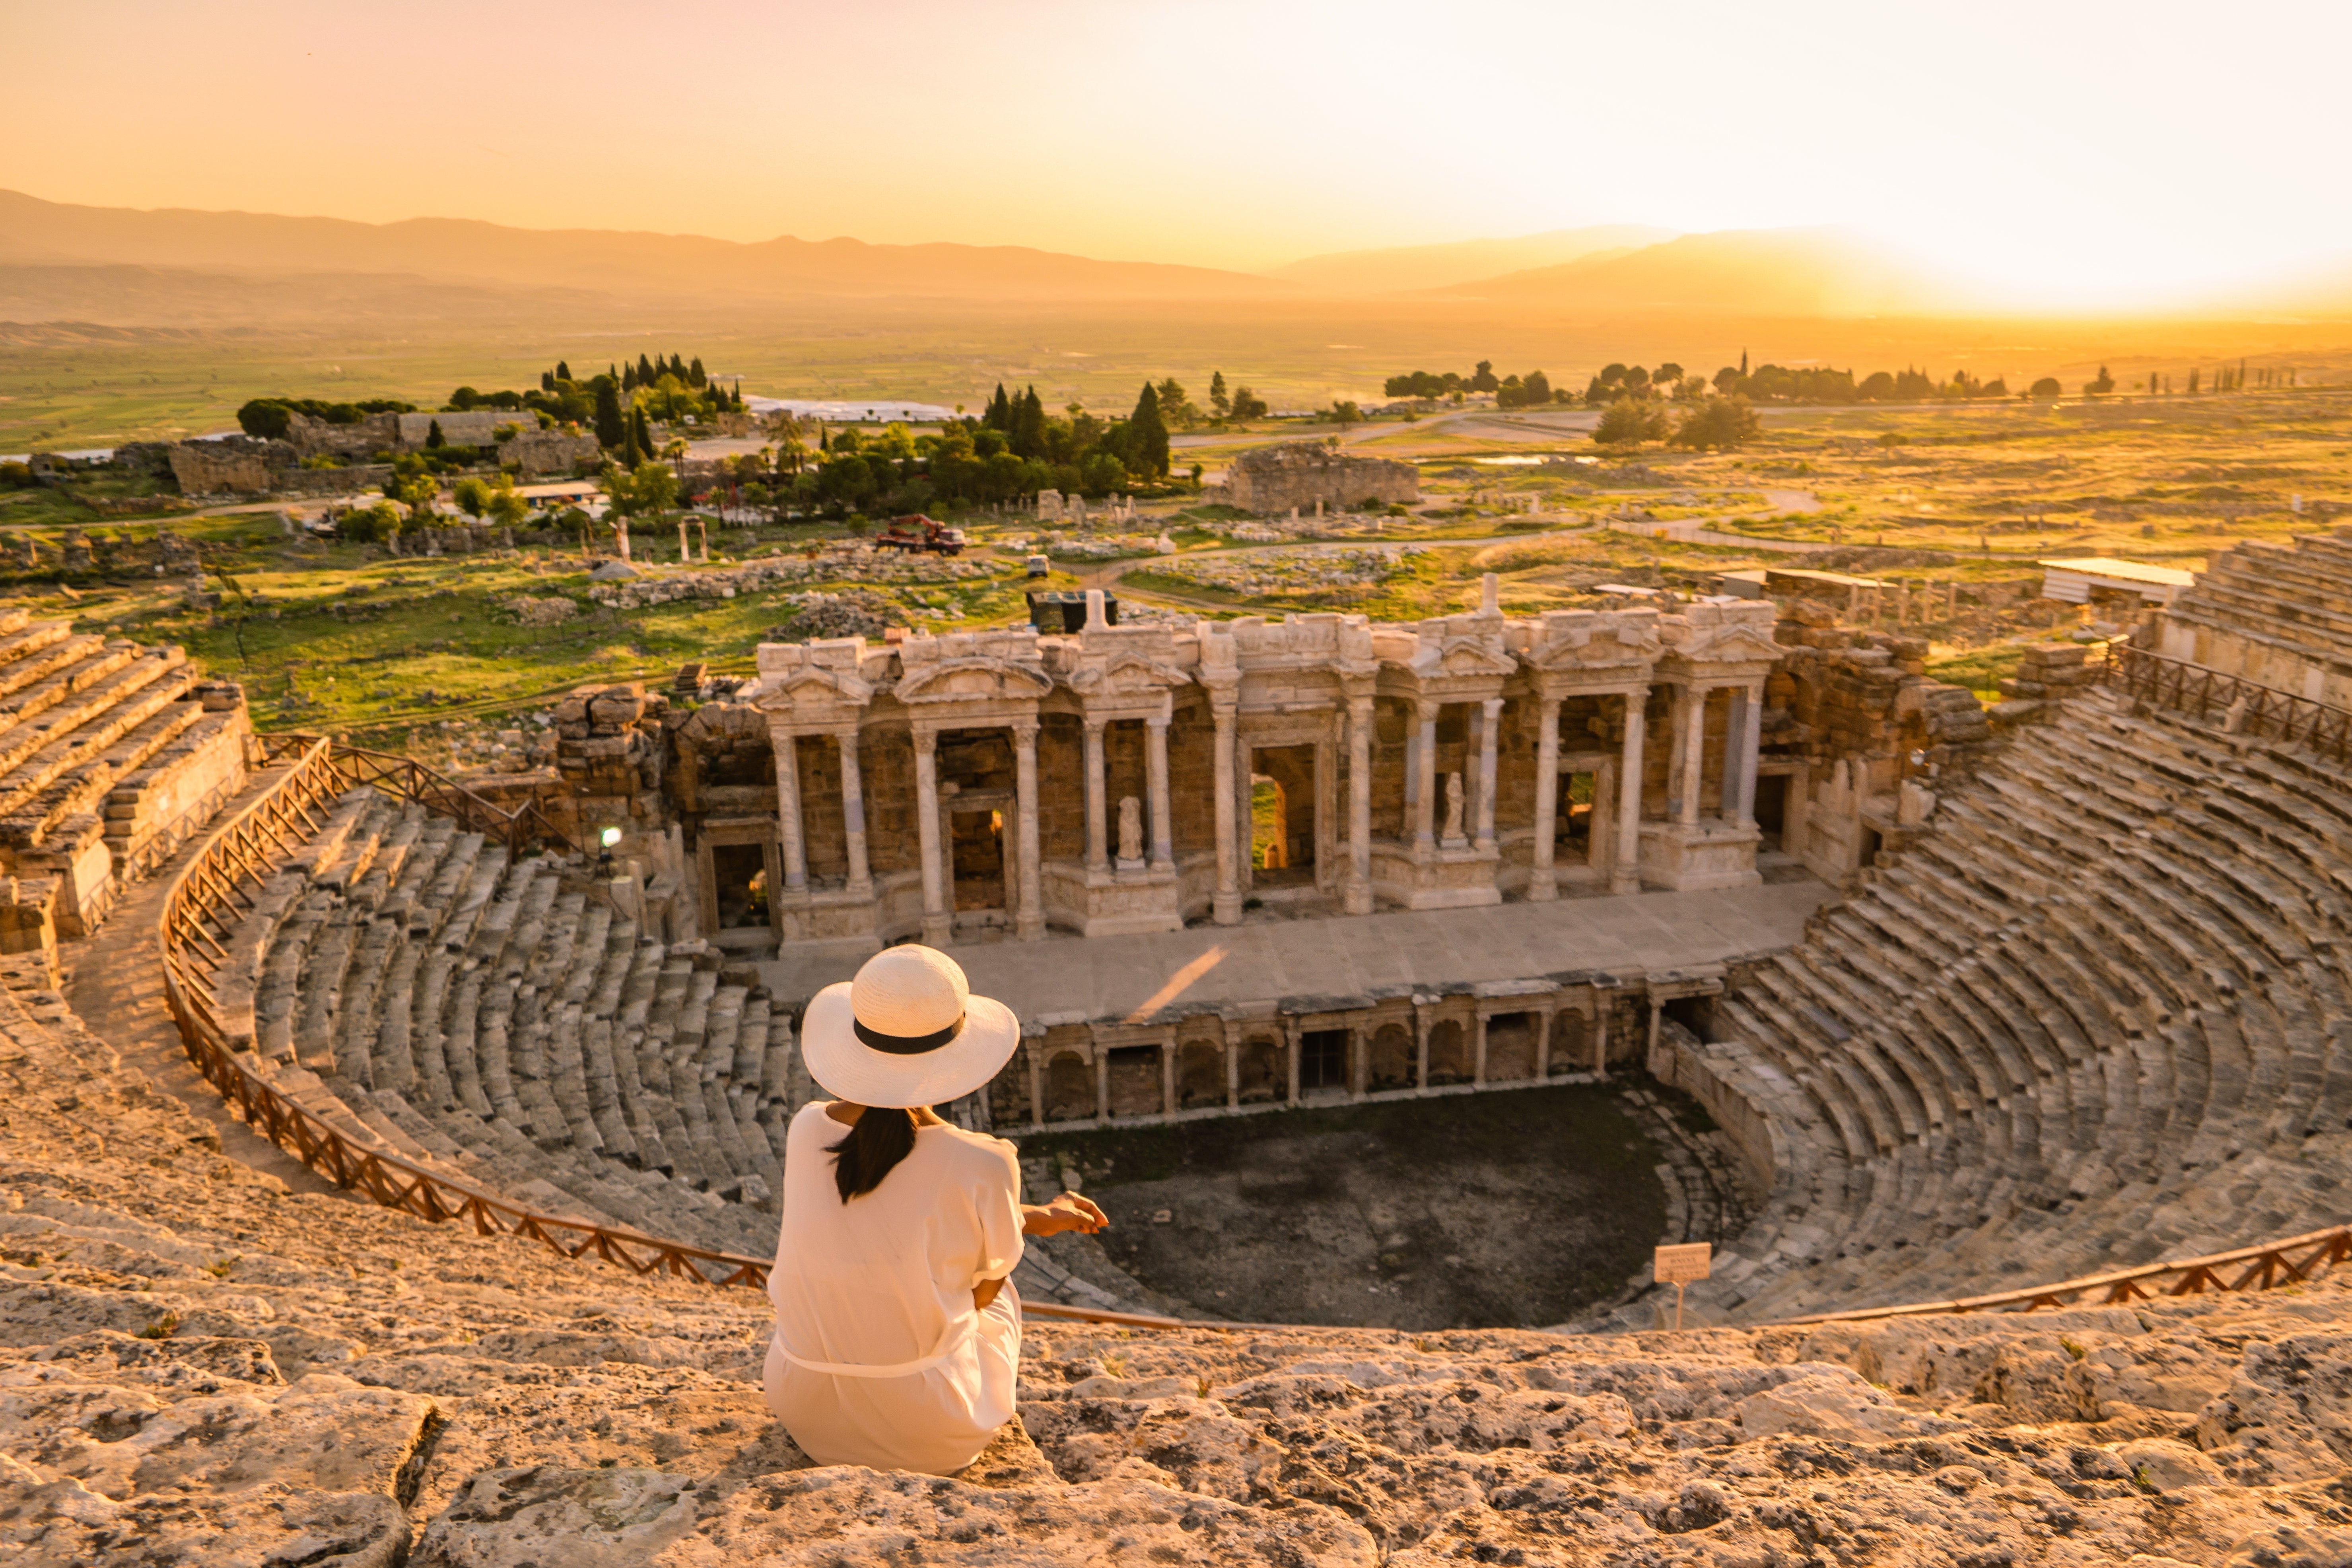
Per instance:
(1668,372)
(694,374)
(1483,380)
(434,439)
(508,508)
(1101,474)
(2100,388)
(2046,387)
(1630,421)
(1248,404)
(563,370)
(377,524)
(1220,403)
(266,418)
(1725,424)
(472,496)
(1176,407)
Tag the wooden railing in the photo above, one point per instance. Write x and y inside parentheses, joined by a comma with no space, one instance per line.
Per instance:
(2260,1267)
(216,891)
(2245,706)
(518,828)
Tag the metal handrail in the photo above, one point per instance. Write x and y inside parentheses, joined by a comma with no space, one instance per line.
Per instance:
(2246,706)
(2256,1268)
(214,893)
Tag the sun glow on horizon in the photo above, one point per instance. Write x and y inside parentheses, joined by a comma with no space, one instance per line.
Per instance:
(2052,156)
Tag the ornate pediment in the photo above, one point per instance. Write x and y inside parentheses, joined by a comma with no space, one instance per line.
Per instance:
(1603,643)
(1742,642)
(1461,657)
(811,684)
(973,680)
(1127,674)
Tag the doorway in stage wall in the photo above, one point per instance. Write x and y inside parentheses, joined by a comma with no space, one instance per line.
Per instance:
(1282,816)
(1772,810)
(976,842)
(1323,1061)
(738,875)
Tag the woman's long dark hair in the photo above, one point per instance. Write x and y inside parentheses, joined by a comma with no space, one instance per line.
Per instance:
(881,1137)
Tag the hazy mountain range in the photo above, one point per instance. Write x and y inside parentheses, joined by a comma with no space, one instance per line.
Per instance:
(173,267)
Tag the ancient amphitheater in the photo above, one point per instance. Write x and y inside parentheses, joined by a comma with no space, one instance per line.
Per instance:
(385,1156)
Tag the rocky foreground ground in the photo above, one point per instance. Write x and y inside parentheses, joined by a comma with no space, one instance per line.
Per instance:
(198,1367)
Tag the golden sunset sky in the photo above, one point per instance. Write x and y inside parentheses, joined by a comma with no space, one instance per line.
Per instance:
(2105,155)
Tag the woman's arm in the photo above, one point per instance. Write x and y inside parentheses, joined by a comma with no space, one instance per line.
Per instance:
(1068,1212)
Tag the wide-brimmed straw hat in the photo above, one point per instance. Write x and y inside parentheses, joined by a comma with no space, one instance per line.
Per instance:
(907,1031)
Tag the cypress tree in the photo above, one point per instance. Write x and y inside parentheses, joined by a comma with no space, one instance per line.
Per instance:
(563,370)
(547,381)
(434,438)
(646,373)
(642,431)
(1148,433)
(1743,364)
(694,374)
(1028,434)
(610,431)
(629,382)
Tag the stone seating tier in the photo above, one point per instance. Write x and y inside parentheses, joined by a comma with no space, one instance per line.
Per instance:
(110,753)
(200,1367)
(495,1017)
(2289,597)
(2090,1020)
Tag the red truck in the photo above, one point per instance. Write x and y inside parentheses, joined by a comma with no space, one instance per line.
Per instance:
(921,534)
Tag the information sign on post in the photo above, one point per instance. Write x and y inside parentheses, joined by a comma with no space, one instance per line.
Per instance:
(1681,1266)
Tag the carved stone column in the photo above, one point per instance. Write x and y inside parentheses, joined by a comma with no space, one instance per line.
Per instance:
(1098,850)
(1625,876)
(1163,829)
(1290,1038)
(1420,1048)
(1751,749)
(1693,754)
(853,815)
(1424,821)
(937,919)
(1029,917)
(1358,899)
(1226,906)
(1490,727)
(1540,882)
(788,811)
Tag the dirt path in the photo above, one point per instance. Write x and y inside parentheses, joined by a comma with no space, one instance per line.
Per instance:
(114,982)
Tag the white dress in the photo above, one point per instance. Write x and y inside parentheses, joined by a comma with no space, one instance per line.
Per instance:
(878,1357)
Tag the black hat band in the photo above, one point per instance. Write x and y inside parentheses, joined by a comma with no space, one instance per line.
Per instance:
(907,1045)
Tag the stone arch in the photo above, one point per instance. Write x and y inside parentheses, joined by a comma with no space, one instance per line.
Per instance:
(1135,1087)
(1449,1052)
(1069,1087)
(1263,1074)
(1200,1074)
(1392,1064)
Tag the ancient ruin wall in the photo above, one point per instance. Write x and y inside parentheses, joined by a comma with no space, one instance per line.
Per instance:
(1303,473)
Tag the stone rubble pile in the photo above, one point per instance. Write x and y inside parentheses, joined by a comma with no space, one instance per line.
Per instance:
(201,1368)
(857,563)
(1293,571)
(851,612)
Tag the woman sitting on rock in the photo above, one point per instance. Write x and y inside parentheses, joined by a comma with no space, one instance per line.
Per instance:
(897,1331)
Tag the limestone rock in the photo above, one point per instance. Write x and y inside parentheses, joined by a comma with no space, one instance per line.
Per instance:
(842,1514)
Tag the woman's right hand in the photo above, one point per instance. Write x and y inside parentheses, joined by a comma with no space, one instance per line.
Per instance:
(1068,1212)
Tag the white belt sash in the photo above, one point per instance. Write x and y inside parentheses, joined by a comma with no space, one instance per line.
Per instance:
(950,1343)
